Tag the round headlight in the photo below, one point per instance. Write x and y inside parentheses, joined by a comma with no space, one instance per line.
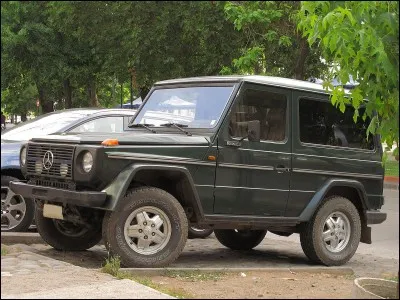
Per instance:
(38,167)
(22,157)
(87,162)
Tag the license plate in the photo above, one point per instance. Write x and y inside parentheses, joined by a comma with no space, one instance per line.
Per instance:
(53,211)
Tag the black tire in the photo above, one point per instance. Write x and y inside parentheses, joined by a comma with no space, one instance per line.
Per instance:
(24,220)
(240,239)
(50,231)
(311,234)
(104,227)
(176,227)
(197,233)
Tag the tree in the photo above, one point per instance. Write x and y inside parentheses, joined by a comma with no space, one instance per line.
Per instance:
(272,45)
(362,40)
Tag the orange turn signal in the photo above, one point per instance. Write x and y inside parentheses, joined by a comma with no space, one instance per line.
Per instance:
(211,157)
(110,142)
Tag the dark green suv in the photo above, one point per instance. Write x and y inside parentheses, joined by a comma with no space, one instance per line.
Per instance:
(240,155)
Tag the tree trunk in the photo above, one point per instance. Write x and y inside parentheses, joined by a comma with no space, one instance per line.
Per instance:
(94,102)
(23,117)
(257,69)
(303,52)
(144,90)
(67,93)
(47,105)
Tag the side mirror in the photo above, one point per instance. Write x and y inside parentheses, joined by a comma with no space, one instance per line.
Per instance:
(254,131)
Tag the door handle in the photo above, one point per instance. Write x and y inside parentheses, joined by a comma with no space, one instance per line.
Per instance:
(236,144)
(281,169)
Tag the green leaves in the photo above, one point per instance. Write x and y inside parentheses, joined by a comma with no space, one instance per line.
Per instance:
(361,38)
(271,26)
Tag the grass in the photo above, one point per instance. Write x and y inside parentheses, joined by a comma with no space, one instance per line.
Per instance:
(3,251)
(392,168)
(195,275)
(112,266)
(393,278)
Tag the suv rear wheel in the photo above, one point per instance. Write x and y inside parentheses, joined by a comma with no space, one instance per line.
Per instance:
(149,228)
(332,236)
(240,239)
(199,233)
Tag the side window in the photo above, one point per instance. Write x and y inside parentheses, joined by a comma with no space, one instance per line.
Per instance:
(267,107)
(106,124)
(322,123)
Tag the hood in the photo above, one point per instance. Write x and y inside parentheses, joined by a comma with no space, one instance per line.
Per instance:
(126,138)
(10,154)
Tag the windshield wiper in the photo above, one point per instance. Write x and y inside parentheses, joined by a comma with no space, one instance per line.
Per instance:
(177,125)
(143,126)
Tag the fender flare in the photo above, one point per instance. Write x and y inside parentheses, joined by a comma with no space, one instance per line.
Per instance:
(119,186)
(310,209)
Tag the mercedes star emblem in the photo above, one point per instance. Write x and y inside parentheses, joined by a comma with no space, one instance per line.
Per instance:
(48,160)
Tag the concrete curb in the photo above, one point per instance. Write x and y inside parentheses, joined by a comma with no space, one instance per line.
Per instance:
(9,238)
(311,269)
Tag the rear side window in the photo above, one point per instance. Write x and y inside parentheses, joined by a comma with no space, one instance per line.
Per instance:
(322,123)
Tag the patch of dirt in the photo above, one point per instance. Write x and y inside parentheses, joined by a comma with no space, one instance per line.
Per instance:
(253,285)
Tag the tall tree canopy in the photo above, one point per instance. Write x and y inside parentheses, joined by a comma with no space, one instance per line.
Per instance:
(273,45)
(79,53)
(361,39)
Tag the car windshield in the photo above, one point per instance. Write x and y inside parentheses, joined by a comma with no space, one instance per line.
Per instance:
(194,107)
(43,125)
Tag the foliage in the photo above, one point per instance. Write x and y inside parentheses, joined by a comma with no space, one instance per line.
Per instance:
(362,40)
(272,44)
(392,168)
(79,53)
(112,266)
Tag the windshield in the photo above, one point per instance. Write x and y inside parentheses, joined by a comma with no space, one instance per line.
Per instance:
(195,107)
(43,125)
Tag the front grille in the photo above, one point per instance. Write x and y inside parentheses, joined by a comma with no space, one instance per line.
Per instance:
(54,184)
(62,156)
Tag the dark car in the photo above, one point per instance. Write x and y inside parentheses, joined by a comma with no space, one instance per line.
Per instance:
(17,212)
(240,155)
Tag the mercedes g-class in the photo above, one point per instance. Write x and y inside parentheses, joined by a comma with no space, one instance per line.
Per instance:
(237,154)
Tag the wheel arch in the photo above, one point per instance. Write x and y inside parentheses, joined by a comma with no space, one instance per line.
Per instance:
(350,189)
(175,180)
(13,172)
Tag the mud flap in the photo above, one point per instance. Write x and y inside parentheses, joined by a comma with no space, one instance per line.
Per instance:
(366,235)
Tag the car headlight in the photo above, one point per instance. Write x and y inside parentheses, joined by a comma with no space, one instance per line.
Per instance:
(22,156)
(87,162)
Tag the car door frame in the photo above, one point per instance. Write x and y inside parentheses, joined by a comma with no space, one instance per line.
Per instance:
(264,148)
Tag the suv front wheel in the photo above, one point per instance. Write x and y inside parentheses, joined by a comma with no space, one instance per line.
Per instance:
(149,228)
(240,239)
(332,236)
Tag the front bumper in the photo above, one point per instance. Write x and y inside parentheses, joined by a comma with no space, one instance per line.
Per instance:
(375,217)
(82,198)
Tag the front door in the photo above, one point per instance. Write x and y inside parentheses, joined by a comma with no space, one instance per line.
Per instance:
(252,178)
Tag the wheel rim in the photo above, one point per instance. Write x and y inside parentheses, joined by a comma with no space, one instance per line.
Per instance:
(198,229)
(147,230)
(336,232)
(13,209)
